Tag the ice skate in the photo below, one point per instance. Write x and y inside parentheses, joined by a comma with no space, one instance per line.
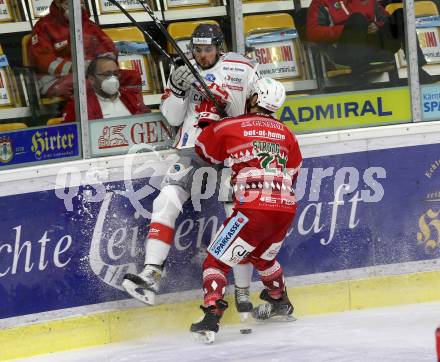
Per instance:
(205,329)
(145,285)
(243,303)
(281,308)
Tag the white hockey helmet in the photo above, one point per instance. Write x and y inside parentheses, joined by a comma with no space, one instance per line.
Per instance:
(271,94)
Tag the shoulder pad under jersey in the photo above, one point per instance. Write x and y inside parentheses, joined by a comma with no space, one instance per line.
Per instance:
(235,57)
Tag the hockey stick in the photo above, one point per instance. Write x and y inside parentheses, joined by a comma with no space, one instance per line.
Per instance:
(207,92)
(148,36)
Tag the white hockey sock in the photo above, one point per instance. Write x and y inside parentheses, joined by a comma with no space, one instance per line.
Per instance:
(243,275)
(166,208)
(168,205)
(156,251)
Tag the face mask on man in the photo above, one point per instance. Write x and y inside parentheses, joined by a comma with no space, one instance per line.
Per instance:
(110,85)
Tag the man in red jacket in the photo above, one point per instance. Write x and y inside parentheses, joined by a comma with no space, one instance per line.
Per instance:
(358,32)
(265,159)
(105,97)
(50,49)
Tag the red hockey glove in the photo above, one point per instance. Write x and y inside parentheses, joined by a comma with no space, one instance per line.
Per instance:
(220,94)
(208,113)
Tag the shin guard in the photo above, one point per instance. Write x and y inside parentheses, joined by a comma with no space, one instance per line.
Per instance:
(273,280)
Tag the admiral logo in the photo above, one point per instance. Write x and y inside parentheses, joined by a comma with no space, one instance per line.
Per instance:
(112,137)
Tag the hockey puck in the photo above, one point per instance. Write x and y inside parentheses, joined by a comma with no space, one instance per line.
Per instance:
(246,331)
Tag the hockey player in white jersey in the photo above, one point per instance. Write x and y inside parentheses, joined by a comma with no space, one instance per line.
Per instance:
(230,77)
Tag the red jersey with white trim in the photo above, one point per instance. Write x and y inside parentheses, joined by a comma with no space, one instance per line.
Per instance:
(264,156)
(50,43)
(233,72)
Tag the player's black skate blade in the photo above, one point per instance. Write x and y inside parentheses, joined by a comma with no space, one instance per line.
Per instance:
(205,337)
(242,303)
(205,329)
(138,289)
(276,309)
(244,307)
(275,319)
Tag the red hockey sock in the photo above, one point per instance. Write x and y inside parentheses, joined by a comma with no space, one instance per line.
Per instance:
(273,280)
(437,338)
(214,285)
(161,232)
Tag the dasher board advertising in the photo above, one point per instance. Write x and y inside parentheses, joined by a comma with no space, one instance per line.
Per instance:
(6,11)
(347,110)
(116,136)
(430,102)
(40,8)
(277,60)
(177,3)
(5,89)
(71,246)
(130,5)
(137,62)
(40,144)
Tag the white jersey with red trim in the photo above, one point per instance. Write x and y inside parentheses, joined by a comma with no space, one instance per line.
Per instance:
(264,156)
(233,72)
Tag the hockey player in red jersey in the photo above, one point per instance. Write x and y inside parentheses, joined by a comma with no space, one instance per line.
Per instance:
(265,160)
(231,77)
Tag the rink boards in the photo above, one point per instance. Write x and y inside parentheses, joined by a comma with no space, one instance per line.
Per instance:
(70,234)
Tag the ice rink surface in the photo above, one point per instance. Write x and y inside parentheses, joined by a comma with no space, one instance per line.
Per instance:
(402,333)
